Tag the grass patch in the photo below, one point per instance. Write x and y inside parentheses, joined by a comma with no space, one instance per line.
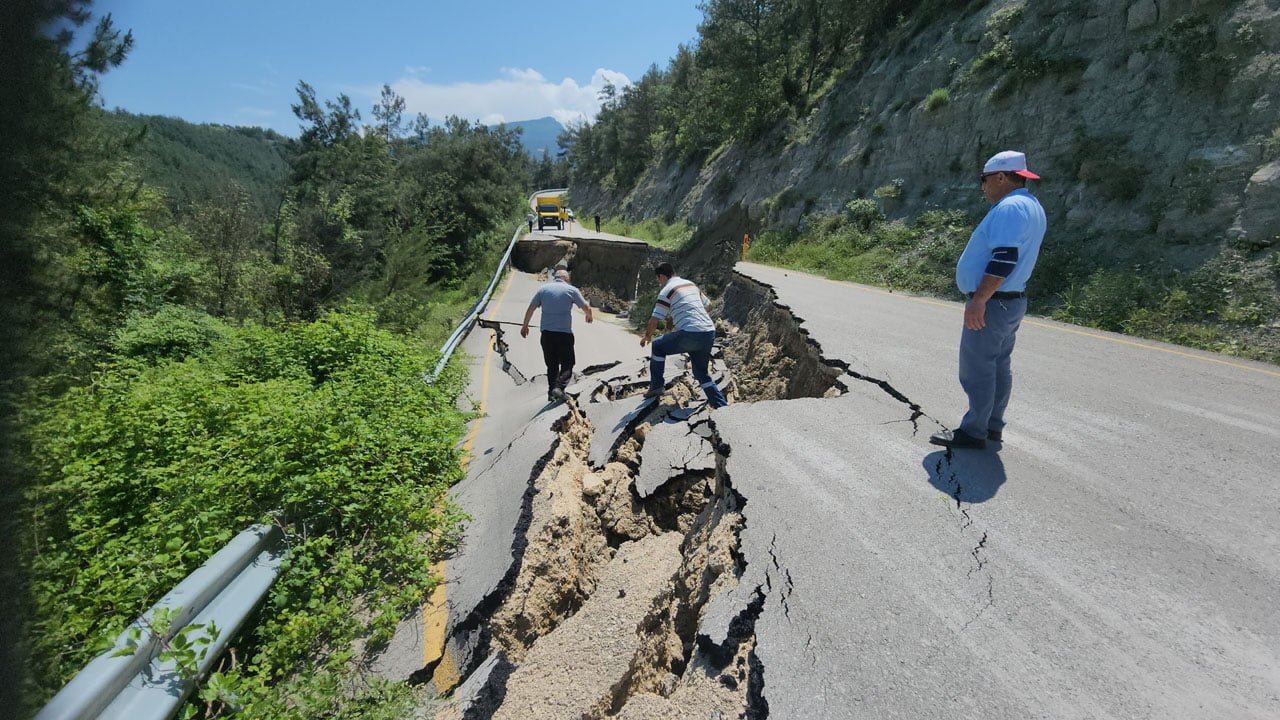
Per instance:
(1271,146)
(1231,304)
(938,99)
(668,236)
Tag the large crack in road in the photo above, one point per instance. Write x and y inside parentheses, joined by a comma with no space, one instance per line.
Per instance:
(600,612)
(614,567)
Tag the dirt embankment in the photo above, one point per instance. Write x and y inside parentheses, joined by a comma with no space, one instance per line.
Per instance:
(608,273)
(770,355)
(600,619)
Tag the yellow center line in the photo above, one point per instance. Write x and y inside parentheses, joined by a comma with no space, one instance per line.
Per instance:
(1057,328)
(480,406)
(435,612)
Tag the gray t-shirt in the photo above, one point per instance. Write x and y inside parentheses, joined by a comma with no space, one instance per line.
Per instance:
(557,299)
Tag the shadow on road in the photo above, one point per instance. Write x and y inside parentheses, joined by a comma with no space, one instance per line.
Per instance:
(971,476)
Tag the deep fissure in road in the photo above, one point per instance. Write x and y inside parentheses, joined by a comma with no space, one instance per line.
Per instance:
(772,357)
(599,614)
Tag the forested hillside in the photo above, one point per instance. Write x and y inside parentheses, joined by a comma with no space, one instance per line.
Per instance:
(851,134)
(191,162)
(208,327)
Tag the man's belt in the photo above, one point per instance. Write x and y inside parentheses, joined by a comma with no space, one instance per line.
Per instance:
(1003,295)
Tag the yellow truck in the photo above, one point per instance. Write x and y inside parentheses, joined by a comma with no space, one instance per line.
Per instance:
(550,212)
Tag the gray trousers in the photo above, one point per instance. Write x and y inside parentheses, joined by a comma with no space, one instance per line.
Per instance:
(985,371)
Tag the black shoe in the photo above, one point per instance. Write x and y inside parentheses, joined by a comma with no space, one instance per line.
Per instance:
(557,394)
(995,436)
(957,439)
(652,394)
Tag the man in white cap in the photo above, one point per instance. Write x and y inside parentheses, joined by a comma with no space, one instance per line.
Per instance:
(993,271)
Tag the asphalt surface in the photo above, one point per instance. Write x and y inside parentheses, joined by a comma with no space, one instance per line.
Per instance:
(1118,556)
(514,433)
(1115,557)
(505,444)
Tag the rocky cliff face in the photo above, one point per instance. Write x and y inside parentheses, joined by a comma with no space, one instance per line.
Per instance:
(1153,123)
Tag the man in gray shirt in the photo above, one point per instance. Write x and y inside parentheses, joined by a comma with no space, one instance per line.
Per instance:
(557,299)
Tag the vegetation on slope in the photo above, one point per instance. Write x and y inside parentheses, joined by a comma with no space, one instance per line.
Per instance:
(188,359)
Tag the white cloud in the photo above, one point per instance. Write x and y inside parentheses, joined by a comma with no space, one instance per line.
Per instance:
(517,94)
(415,70)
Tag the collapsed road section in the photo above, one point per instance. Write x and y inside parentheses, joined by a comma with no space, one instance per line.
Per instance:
(804,553)
(629,591)
(628,527)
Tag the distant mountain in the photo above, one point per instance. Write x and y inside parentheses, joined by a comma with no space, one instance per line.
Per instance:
(193,162)
(539,135)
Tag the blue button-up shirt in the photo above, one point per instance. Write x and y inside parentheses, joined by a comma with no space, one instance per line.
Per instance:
(1017,221)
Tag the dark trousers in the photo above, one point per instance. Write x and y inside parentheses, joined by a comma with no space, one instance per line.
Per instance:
(557,352)
(698,345)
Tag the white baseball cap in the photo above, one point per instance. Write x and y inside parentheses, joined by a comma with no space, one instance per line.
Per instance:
(1009,161)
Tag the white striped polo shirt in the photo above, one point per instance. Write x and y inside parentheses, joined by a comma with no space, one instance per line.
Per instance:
(683,301)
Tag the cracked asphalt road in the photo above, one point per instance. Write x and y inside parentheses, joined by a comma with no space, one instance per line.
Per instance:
(1116,557)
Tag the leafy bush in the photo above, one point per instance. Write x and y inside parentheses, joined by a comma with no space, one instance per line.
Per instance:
(937,99)
(173,332)
(1020,63)
(1000,47)
(892,191)
(1192,41)
(920,257)
(1225,305)
(864,213)
(325,428)
(1271,146)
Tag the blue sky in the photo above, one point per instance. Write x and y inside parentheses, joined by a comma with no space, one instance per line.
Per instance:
(238,61)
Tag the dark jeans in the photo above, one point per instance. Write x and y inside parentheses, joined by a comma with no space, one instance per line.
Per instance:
(698,345)
(557,352)
(986,373)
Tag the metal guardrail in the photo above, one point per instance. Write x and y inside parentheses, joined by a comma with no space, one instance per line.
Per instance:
(469,321)
(137,685)
(129,681)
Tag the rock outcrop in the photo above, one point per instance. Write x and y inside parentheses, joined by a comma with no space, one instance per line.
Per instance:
(1151,120)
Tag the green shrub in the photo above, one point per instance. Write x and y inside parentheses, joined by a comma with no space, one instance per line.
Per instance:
(326,428)
(1106,300)
(173,332)
(937,99)
(892,191)
(1004,20)
(1271,146)
(996,38)
(864,213)
(1192,41)
(668,236)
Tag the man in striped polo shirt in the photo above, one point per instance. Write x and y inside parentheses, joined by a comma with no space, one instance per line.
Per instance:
(993,271)
(682,302)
